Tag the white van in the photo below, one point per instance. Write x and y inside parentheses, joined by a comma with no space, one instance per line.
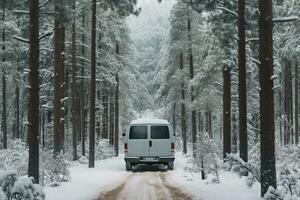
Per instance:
(149,141)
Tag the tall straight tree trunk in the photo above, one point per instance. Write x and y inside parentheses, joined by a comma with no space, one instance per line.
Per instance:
(93,89)
(200,122)
(288,102)
(191,62)
(174,118)
(183,114)
(74,89)
(82,91)
(267,135)
(242,82)
(4,120)
(280,111)
(105,112)
(59,114)
(208,125)
(33,106)
(17,126)
(111,117)
(234,134)
(296,105)
(226,112)
(117,131)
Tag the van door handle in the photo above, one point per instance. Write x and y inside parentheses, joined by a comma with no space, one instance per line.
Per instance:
(150,143)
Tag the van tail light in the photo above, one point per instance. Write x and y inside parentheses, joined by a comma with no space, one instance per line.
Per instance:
(125,147)
(172,147)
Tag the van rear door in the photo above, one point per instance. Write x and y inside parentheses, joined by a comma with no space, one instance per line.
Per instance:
(138,142)
(160,140)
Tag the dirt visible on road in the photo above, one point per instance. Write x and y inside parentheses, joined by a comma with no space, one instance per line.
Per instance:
(146,186)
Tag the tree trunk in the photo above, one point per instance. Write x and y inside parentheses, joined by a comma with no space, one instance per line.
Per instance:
(4,120)
(191,62)
(117,131)
(105,112)
(82,91)
(111,117)
(74,90)
(183,115)
(267,136)
(280,111)
(234,134)
(174,118)
(296,105)
(17,126)
(33,108)
(93,89)
(287,102)
(226,112)
(200,122)
(242,82)
(59,37)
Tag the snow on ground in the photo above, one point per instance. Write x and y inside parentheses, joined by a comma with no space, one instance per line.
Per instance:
(87,183)
(231,186)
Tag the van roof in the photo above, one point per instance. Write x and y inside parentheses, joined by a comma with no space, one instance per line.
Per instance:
(149,121)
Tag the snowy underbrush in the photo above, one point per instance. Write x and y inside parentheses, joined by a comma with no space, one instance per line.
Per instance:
(207,160)
(288,171)
(15,158)
(103,150)
(13,187)
(52,170)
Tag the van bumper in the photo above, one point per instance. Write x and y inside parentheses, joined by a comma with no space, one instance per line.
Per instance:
(143,160)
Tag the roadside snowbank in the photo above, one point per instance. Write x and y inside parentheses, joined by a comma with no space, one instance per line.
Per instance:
(86,183)
(231,186)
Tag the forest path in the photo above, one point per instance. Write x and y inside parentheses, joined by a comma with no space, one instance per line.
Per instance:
(145,186)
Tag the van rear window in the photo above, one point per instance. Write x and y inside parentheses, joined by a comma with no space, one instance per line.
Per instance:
(138,132)
(160,132)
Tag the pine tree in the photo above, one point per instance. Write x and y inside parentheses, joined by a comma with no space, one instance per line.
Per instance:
(4,112)
(296,104)
(33,109)
(226,112)
(242,82)
(183,114)
(117,132)
(93,89)
(59,75)
(267,135)
(75,113)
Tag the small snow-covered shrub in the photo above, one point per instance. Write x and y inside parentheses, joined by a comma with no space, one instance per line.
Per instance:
(54,170)
(234,163)
(22,188)
(2,195)
(7,180)
(272,194)
(103,150)
(15,158)
(83,160)
(25,189)
(207,159)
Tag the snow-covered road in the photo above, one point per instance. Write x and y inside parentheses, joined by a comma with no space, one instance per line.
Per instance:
(110,181)
(146,186)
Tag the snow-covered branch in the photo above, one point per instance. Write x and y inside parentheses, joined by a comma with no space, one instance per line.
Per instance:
(252,40)
(228,10)
(21,39)
(285,19)
(45,35)
(44,3)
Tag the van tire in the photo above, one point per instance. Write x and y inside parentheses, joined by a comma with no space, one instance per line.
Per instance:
(128,166)
(170,165)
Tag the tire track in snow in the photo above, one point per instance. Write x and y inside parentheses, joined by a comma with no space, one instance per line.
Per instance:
(145,186)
